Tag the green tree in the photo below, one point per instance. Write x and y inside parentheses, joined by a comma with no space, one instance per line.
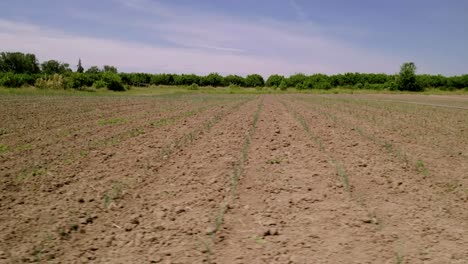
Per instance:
(212,79)
(53,67)
(234,80)
(80,68)
(254,80)
(406,80)
(296,79)
(274,80)
(108,68)
(17,62)
(93,69)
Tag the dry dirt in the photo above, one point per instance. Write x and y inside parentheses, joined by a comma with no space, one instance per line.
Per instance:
(234,179)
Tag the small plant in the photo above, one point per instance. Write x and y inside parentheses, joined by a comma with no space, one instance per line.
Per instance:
(55,82)
(99,84)
(136,132)
(421,168)
(24,147)
(112,121)
(193,87)
(3,148)
(258,240)
(114,193)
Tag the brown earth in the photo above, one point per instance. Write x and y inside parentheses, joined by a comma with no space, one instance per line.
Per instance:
(234,179)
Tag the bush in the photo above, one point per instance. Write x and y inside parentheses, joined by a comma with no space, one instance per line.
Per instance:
(283,85)
(254,80)
(193,87)
(55,82)
(78,81)
(234,80)
(99,84)
(274,80)
(113,81)
(212,79)
(406,80)
(234,86)
(12,80)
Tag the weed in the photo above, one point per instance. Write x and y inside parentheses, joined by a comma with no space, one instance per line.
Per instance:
(3,148)
(24,147)
(116,192)
(136,132)
(388,146)
(340,169)
(29,173)
(112,121)
(421,168)
(258,240)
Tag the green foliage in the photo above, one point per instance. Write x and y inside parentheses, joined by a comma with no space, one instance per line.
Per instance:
(161,79)
(113,81)
(212,79)
(283,85)
(79,68)
(406,80)
(54,82)
(186,79)
(99,84)
(296,80)
(108,68)
(13,80)
(254,80)
(79,80)
(93,70)
(274,80)
(193,86)
(17,62)
(234,80)
(18,69)
(54,67)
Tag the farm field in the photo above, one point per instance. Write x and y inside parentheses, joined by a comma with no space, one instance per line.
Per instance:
(234,178)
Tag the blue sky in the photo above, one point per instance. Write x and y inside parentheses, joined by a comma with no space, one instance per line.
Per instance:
(242,37)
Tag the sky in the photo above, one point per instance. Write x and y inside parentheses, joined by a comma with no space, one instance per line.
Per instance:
(242,36)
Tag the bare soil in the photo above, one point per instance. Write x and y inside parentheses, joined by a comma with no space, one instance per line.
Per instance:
(234,179)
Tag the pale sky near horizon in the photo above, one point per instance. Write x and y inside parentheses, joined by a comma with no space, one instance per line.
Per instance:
(242,37)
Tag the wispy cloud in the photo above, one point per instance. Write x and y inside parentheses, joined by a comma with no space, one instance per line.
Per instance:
(300,13)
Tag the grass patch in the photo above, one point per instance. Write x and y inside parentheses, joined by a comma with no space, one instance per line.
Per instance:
(421,168)
(3,148)
(24,147)
(116,192)
(28,174)
(112,121)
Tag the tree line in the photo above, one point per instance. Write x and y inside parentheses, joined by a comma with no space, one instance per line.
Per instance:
(18,69)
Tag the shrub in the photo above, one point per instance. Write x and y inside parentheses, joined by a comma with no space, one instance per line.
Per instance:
(283,85)
(99,84)
(13,80)
(254,80)
(113,81)
(406,80)
(234,86)
(193,87)
(274,80)
(55,82)
(234,80)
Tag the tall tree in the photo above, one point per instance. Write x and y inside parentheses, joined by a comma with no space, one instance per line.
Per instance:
(407,78)
(53,66)
(80,68)
(18,62)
